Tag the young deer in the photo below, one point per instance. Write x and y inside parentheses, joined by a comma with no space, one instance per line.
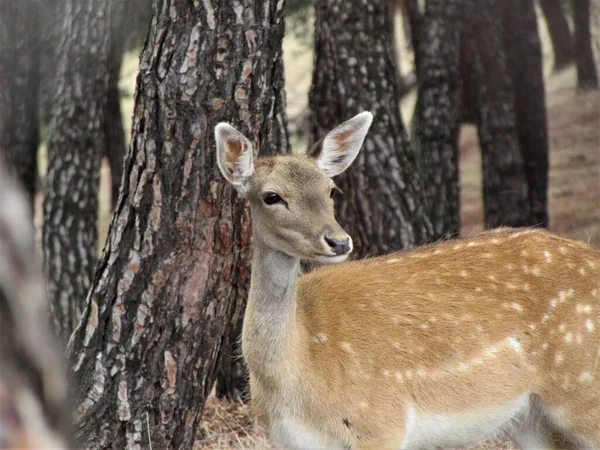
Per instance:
(443,346)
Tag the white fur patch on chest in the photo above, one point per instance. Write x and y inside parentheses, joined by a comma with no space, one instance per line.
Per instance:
(425,430)
(288,433)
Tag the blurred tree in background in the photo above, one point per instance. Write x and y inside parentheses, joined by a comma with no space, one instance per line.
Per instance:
(20,40)
(74,149)
(383,206)
(169,286)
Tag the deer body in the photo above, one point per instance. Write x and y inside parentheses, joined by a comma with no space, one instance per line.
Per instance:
(442,346)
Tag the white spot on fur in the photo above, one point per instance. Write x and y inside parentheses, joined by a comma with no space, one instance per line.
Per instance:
(569,337)
(585,377)
(320,338)
(516,306)
(589,325)
(558,358)
(583,309)
(515,344)
(346,347)
(535,271)
(463,273)
(547,256)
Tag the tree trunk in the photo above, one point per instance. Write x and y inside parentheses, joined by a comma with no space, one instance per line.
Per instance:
(505,189)
(74,148)
(175,267)
(587,78)
(19,81)
(114,135)
(558,28)
(32,380)
(436,122)
(383,207)
(524,56)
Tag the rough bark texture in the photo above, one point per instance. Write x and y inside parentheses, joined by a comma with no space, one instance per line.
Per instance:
(587,78)
(558,28)
(524,57)
(32,379)
(383,206)
(505,189)
(436,122)
(175,266)
(74,148)
(19,81)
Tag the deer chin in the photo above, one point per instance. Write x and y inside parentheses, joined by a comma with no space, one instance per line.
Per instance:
(333,259)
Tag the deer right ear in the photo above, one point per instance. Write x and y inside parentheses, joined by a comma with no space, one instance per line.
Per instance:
(341,145)
(234,156)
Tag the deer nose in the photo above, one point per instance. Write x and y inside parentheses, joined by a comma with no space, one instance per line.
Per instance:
(338,246)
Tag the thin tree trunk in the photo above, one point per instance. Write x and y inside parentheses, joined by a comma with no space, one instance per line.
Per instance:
(587,78)
(114,135)
(505,189)
(524,57)
(558,28)
(19,81)
(32,380)
(175,267)
(74,148)
(436,123)
(383,207)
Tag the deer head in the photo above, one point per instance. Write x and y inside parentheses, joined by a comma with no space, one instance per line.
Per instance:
(291,197)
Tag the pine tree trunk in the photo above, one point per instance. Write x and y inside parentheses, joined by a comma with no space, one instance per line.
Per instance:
(558,28)
(505,189)
(436,123)
(175,267)
(33,387)
(524,57)
(19,81)
(74,149)
(587,78)
(383,207)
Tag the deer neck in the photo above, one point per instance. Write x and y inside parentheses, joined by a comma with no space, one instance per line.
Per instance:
(270,334)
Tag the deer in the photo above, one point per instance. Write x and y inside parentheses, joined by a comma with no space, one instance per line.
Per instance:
(444,345)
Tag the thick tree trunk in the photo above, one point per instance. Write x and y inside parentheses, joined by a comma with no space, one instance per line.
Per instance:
(32,380)
(175,267)
(74,148)
(19,82)
(524,57)
(436,123)
(505,189)
(383,207)
(558,28)
(587,78)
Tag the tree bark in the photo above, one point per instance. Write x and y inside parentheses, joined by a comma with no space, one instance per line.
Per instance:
(175,267)
(436,122)
(33,387)
(560,35)
(505,189)
(74,148)
(19,80)
(587,78)
(524,57)
(383,207)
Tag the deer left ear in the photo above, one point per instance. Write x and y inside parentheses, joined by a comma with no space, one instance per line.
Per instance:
(341,145)
(235,156)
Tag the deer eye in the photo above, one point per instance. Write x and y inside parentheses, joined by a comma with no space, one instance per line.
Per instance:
(270,198)
(335,191)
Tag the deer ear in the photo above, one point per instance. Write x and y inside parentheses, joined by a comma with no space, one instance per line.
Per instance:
(341,145)
(234,156)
